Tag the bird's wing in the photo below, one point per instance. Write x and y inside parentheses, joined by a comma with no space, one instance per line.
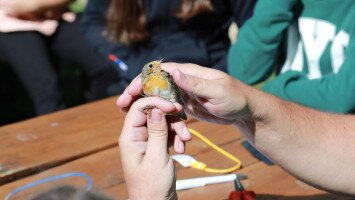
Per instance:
(179,93)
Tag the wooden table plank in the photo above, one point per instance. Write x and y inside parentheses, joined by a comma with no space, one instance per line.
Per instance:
(50,140)
(64,136)
(269,183)
(219,134)
(104,168)
(106,165)
(215,160)
(84,139)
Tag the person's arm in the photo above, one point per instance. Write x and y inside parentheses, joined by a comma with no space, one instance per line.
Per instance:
(334,92)
(20,7)
(315,147)
(251,59)
(94,28)
(242,10)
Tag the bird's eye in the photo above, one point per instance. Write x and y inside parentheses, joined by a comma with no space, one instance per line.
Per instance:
(150,65)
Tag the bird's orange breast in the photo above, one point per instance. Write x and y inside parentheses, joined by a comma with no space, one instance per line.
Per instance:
(154,82)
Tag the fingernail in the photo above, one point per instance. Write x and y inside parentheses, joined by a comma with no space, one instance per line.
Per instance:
(156,116)
(186,132)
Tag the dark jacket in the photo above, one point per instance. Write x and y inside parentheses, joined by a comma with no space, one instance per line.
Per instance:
(202,40)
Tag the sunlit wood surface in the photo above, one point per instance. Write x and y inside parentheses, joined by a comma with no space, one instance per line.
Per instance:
(84,139)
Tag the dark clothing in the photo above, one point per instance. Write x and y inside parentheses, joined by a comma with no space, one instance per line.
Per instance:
(28,54)
(202,40)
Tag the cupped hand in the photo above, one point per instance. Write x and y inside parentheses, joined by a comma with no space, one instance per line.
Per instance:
(148,168)
(178,131)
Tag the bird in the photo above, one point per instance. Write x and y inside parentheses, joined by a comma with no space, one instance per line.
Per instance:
(157,82)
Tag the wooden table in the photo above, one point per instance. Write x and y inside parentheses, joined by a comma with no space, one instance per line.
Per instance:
(84,139)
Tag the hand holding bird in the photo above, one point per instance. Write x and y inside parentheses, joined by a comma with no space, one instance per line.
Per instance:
(157,82)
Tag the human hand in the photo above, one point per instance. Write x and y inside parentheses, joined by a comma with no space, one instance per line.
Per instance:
(212,95)
(180,133)
(18,7)
(148,168)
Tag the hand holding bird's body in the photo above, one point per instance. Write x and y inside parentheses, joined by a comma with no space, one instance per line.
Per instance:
(157,82)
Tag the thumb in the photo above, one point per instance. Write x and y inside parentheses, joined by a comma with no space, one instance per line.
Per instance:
(157,135)
(198,86)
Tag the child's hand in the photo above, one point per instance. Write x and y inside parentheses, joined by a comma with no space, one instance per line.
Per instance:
(148,168)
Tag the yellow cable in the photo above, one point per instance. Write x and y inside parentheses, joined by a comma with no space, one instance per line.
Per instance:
(202,166)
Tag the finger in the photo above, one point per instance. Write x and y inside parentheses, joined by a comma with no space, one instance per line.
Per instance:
(157,137)
(131,100)
(198,86)
(179,145)
(133,90)
(133,138)
(133,141)
(181,135)
(190,69)
(181,130)
(132,147)
(136,118)
(194,109)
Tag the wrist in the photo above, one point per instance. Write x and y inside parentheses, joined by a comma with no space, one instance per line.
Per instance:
(257,110)
(243,103)
(265,114)
(242,111)
(262,107)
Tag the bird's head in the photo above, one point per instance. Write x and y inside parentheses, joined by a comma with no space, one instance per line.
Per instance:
(151,67)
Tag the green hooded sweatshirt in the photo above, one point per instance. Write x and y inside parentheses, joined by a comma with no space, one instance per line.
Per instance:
(319,70)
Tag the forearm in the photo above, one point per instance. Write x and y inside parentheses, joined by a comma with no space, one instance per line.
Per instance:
(34,9)
(321,94)
(93,24)
(309,144)
(264,31)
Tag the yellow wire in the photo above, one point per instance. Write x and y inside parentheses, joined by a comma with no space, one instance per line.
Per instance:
(202,166)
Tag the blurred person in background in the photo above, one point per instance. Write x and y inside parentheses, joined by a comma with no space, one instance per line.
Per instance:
(30,31)
(139,31)
(320,63)
(317,46)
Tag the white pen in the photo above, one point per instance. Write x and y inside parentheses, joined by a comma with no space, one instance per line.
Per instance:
(202,181)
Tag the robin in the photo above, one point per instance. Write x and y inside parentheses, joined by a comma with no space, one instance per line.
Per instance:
(157,82)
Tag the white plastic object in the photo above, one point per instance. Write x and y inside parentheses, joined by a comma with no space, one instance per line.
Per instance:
(202,181)
(184,160)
